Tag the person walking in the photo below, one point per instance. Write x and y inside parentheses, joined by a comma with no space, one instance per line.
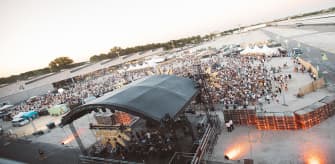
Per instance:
(228,126)
(41,154)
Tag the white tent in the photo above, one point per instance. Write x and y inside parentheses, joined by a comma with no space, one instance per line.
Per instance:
(267,51)
(138,66)
(272,51)
(247,50)
(156,59)
(257,50)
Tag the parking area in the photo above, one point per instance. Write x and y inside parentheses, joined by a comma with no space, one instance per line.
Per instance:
(33,126)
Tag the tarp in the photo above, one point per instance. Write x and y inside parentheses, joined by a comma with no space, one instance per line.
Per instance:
(30,114)
(151,98)
(58,110)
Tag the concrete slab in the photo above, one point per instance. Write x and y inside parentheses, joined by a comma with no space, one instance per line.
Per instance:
(298,80)
(58,135)
(279,147)
(314,38)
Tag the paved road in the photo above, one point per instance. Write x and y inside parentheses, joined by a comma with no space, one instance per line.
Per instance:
(312,54)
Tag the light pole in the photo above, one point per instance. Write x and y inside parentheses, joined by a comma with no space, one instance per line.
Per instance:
(286,43)
(284,102)
(283,89)
(32,124)
(249,139)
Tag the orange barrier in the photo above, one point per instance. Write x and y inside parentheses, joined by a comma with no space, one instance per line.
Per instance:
(301,119)
(240,116)
(276,121)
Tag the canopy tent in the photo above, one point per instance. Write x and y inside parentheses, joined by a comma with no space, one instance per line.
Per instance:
(257,50)
(247,50)
(270,51)
(142,66)
(155,59)
(58,110)
(152,98)
(265,50)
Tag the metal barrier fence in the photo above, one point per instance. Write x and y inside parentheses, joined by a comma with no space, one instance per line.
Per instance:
(97,160)
(206,145)
(181,157)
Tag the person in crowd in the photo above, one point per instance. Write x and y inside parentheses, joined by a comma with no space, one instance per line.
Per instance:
(231,124)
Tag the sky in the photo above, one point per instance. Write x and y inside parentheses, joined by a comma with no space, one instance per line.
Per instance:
(34,32)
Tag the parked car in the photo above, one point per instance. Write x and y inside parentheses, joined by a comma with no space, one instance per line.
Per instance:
(18,121)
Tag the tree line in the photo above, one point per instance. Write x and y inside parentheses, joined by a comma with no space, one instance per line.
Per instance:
(65,62)
(119,51)
(54,66)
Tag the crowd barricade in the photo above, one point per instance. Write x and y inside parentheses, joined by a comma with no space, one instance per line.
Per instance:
(276,121)
(303,118)
(244,116)
(311,87)
(330,104)
(311,115)
(308,66)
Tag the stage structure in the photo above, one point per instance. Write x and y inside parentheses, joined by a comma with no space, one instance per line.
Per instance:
(152,98)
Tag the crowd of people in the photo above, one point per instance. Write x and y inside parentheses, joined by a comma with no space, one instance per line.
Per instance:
(235,81)
(244,81)
(151,143)
(145,143)
(77,91)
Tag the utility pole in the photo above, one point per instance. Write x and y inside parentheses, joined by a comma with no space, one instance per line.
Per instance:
(78,140)
(32,124)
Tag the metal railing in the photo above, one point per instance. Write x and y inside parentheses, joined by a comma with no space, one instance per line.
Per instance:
(181,156)
(97,160)
(205,145)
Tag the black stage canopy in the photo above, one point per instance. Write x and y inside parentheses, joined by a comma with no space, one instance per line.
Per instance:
(151,98)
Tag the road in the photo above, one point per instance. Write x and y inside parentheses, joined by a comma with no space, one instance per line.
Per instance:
(27,152)
(312,54)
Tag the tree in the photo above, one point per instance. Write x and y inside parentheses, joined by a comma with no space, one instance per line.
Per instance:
(60,63)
